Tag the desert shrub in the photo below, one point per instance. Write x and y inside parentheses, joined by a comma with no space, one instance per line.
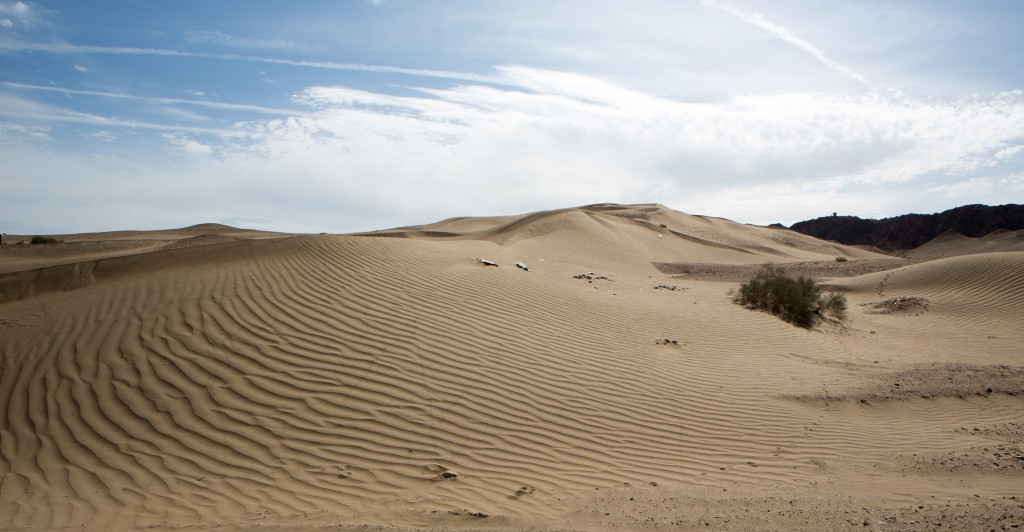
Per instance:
(797,300)
(834,304)
(44,240)
(841,259)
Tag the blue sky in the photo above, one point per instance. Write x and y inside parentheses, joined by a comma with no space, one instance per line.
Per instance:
(346,116)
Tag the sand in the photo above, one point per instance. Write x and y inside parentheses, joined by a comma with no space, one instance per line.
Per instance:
(234,380)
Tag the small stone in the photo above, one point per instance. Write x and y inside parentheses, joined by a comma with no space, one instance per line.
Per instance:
(449,474)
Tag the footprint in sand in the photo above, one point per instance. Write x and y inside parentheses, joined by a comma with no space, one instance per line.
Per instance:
(344,471)
(440,472)
(522,491)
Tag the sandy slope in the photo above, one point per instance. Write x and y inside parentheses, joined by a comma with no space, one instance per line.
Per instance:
(17,254)
(315,381)
(951,244)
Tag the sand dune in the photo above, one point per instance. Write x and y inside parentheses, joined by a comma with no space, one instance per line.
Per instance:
(970,302)
(19,255)
(331,380)
(632,237)
(951,244)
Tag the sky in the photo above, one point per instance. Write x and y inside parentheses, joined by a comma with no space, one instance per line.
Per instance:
(343,116)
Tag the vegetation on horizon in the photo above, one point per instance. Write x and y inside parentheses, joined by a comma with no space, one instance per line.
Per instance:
(45,240)
(799,301)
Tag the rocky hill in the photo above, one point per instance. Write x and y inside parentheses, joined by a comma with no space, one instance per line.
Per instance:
(912,230)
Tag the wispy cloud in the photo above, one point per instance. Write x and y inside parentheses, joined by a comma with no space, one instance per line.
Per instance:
(189,145)
(81,68)
(218,38)
(170,101)
(104,135)
(17,132)
(17,11)
(785,34)
(18,18)
(61,48)
(28,110)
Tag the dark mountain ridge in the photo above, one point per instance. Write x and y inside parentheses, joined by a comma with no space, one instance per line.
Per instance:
(912,230)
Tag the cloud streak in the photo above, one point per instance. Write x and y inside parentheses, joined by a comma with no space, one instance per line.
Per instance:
(61,48)
(219,38)
(784,34)
(31,111)
(170,101)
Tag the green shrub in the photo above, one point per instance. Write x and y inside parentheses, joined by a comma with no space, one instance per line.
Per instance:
(799,301)
(44,240)
(841,259)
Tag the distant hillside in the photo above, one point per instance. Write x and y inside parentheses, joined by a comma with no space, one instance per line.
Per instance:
(912,230)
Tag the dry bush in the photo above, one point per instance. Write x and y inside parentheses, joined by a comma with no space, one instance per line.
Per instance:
(799,301)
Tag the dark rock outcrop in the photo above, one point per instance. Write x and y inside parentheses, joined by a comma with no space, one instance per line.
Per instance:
(912,230)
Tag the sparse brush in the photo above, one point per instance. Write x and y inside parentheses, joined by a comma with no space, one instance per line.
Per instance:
(841,259)
(834,304)
(45,240)
(799,301)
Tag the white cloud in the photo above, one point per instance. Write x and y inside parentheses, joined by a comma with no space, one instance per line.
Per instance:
(356,159)
(1008,152)
(171,101)
(60,48)
(104,135)
(232,41)
(16,9)
(20,14)
(572,139)
(1011,184)
(189,145)
(708,107)
(22,109)
(18,132)
(965,188)
(81,68)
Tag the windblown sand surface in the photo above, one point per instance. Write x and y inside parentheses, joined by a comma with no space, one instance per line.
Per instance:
(256,380)
(953,244)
